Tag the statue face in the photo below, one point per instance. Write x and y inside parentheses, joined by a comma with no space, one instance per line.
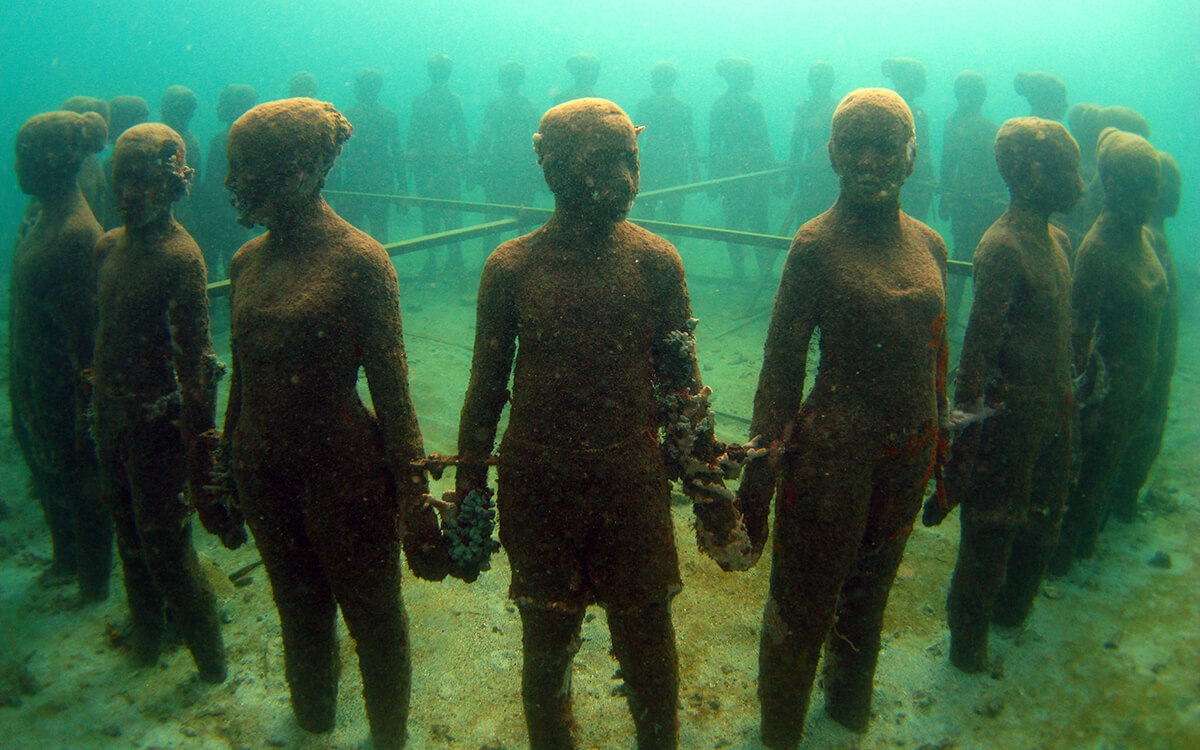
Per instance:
(872,160)
(251,190)
(1059,186)
(142,190)
(598,178)
(1134,195)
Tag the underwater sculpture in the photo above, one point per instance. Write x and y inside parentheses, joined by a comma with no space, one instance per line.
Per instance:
(1009,465)
(908,79)
(221,235)
(584,69)
(972,190)
(1151,411)
(738,144)
(858,452)
(154,392)
(125,111)
(507,168)
(1118,293)
(1045,92)
(325,486)
(816,184)
(667,147)
(437,152)
(302,84)
(178,108)
(1091,121)
(92,180)
(600,311)
(52,321)
(374,160)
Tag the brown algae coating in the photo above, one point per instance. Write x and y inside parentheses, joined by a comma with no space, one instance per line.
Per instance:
(1009,467)
(51,335)
(1118,296)
(325,485)
(155,392)
(1045,92)
(582,486)
(858,451)
(1152,411)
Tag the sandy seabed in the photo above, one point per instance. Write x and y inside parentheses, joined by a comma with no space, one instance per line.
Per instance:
(1110,658)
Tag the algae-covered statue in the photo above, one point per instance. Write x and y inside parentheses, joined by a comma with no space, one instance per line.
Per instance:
(816,184)
(1118,293)
(326,486)
(739,144)
(221,235)
(908,78)
(1045,92)
(854,457)
(973,192)
(437,151)
(1146,440)
(374,160)
(155,386)
(596,313)
(52,323)
(668,146)
(1009,465)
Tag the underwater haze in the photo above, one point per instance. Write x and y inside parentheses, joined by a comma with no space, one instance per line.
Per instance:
(1110,657)
(1142,55)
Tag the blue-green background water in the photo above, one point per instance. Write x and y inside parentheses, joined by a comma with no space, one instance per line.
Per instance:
(1140,54)
(1145,55)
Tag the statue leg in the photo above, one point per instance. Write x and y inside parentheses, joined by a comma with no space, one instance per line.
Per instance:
(983,554)
(93,534)
(155,463)
(820,517)
(549,642)
(644,643)
(270,502)
(1036,540)
(353,520)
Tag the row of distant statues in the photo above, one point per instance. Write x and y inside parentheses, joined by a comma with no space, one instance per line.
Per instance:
(589,317)
(439,161)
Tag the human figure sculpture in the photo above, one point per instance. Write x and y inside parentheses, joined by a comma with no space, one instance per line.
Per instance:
(972,190)
(302,84)
(221,233)
(374,160)
(507,168)
(854,457)
(667,148)
(816,184)
(178,108)
(1045,92)
(596,312)
(155,387)
(1092,124)
(739,144)
(325,486)
(92,180)
(1009,466)
(437,150)
(125,111)
(908,79)
(52,330)
(1119,290)
(1151,412)
(584,69)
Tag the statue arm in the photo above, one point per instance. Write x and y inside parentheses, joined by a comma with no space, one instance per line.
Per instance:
(491,364)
